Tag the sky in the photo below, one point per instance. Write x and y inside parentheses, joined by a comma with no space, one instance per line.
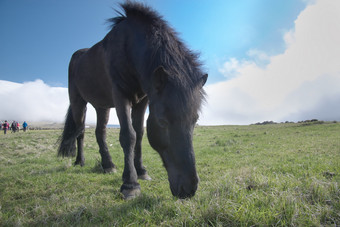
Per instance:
(266,60)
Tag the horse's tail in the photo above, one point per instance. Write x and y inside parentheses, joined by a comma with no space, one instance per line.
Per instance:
(67,141)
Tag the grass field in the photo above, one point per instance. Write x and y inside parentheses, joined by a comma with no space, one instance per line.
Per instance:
(258,175)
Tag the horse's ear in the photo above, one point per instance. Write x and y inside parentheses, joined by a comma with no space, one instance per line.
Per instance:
(204,79)
(160,76)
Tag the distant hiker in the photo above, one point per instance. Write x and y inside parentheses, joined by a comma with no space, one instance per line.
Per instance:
(18,126)
(14,126)
(24,126)
(5,126)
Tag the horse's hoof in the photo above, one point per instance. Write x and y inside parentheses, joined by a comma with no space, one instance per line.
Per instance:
(110,170)
(144,177)
(131,193)
(79,163)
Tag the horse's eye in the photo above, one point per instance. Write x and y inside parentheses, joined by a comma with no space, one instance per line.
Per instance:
(163,123)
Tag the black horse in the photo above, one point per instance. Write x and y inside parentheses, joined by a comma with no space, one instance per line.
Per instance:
(140,62)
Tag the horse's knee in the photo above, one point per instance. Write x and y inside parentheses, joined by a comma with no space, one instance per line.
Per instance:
(127,138)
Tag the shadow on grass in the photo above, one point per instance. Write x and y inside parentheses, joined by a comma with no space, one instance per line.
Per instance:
(69,165)
(122,213)
(49,171)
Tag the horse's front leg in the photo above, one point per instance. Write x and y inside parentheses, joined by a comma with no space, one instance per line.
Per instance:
(102,119)
(137,114)
(127,138)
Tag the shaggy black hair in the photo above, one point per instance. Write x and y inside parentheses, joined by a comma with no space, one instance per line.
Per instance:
(182,64)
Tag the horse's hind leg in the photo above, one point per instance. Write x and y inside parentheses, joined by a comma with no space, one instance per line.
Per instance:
(137,114)
(102,119)
(79,112)
(80,160)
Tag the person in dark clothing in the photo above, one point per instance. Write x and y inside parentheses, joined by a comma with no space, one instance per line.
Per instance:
(5,127)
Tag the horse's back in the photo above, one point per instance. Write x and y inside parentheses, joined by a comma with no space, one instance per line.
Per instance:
(79,53)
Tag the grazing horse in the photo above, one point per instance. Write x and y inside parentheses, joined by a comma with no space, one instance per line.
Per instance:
(139,63)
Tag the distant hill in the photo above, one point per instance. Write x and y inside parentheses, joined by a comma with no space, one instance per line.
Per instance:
(45,125)
(58,125)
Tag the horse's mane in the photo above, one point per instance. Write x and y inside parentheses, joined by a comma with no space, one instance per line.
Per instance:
(135,9)
(169,51)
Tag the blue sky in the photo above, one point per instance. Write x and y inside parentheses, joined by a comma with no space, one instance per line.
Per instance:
(266,59)
(38,37)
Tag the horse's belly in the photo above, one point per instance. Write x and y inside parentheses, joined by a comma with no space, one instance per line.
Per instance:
(100,101)
(99,94)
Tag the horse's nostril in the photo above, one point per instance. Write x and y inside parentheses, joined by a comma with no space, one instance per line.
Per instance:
(186,191)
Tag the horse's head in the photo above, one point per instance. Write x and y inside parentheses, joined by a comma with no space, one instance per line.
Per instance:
(172,118)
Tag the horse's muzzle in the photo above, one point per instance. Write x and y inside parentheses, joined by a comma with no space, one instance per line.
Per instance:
(184,187)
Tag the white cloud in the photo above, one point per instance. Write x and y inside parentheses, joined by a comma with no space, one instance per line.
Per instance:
(32,101)
(301,83)
(232,67)
(36,101)
(258,57)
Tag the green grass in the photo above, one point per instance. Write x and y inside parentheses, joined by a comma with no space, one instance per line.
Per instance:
(259,175)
